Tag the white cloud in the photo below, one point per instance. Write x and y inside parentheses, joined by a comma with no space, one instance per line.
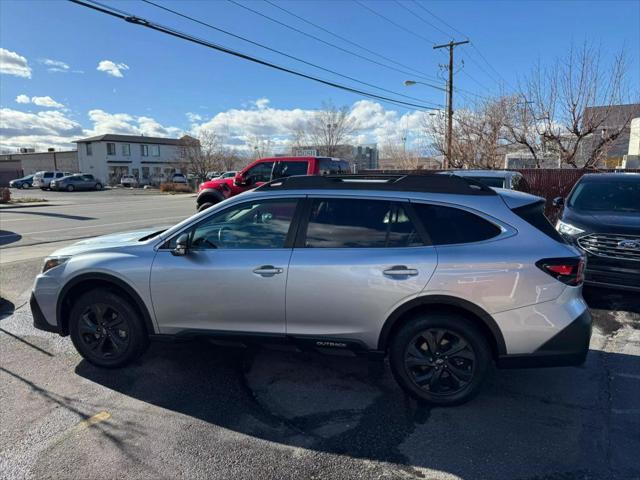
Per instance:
(12,63)
(194,117)
(39,101)
(55,65)
(46,102)
(45,129)
(112,68)
(124,123)
(262,103)
(376,124)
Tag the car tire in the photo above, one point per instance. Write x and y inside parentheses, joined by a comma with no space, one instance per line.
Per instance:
(204,206)
(98,186)
(419,359)
(106,329)
(24,186)
(70,188)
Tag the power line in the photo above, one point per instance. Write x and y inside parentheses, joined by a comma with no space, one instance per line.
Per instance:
(484,59)
(387,19)
(184,36)
(318,39)
(193,19)
(344,39)
(424,20)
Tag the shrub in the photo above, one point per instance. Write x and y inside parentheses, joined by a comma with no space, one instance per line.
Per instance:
(176,187)
(5,195)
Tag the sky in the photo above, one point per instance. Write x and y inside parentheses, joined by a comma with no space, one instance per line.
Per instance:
(67,72)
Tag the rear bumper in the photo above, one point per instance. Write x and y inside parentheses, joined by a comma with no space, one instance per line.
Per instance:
(39,320)
(568,347)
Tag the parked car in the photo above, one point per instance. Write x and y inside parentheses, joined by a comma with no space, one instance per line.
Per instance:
(78,181)
(43,179)
(443,276)
(601,216)
(24,182)
(178,178)
(495,178)
(229,174)
(129,181)
(264,170)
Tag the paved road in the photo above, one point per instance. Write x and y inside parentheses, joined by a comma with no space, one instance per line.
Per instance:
(195,410)
(72,216)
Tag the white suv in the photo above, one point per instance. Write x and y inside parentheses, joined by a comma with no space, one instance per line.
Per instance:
(442,274)
(43,179)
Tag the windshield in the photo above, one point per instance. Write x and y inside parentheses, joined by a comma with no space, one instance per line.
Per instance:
(497,182)
(613,196)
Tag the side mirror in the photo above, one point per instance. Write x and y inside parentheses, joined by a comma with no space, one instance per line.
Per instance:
(182,245)
(558,202)
(239,180)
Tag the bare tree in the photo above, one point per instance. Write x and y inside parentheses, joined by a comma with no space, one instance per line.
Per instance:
(554,112)
(260,146)
(204,154)
(479,137)
(328,128)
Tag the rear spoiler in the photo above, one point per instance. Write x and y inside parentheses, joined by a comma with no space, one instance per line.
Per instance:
(514,199)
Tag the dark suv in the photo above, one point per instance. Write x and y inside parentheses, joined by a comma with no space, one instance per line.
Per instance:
(264,170)
(601,216)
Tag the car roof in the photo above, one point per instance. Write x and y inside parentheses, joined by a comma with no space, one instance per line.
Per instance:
(484,173)
(607,177)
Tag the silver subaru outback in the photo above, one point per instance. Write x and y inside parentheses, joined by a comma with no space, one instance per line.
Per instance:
(443,275)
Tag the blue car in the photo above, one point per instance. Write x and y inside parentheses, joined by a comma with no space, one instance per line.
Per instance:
(24,182)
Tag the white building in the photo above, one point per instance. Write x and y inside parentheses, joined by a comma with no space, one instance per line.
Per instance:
(149,159)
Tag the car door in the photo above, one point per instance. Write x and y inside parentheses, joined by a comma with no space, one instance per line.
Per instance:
(289,168)
(259,174)
(354,262)
(87,182)
(233,275)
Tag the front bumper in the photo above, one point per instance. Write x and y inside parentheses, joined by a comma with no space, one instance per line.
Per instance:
(39,320)
(616,274)
(568,347)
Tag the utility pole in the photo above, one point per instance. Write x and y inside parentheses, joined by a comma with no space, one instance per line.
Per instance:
(450,46)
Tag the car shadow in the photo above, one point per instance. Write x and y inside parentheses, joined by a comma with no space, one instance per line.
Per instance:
(523,421)
(55,215)
(7,237)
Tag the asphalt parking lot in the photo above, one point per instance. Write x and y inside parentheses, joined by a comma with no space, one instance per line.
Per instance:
(196,410)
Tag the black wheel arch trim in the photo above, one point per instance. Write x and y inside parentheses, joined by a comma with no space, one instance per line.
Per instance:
(103,277)
(442,300)
(209,193)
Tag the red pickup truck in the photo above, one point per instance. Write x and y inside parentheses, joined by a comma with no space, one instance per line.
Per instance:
(264,170)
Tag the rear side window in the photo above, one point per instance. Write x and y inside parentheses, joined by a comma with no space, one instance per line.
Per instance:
(359,223)
(450,226)
(327,166)
(48,174)
(533,214)
(289,169)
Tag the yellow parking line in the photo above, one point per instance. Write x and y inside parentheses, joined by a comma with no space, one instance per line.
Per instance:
(97,418)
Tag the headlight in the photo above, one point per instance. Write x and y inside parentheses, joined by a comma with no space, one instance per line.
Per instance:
(567,228)
(52,262)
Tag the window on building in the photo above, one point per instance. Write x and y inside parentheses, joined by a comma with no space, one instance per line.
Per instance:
(155,150)
(126,149)
(111,148)
(359,223)
(144,150)
(448,226)
(89,148)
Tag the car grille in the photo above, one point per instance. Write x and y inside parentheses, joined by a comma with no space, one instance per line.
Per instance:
(609,245)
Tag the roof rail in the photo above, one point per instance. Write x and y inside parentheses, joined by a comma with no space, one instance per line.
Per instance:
(409,183)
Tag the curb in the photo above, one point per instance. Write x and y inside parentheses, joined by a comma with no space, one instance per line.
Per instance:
(28,205)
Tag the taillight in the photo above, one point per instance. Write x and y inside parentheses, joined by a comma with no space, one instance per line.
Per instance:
(567,270)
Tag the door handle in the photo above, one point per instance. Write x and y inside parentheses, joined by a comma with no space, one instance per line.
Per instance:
(400,271)
(267,270)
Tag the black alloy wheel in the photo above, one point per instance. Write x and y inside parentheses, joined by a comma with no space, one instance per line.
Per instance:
(440,361)
(107,329)
(104,330)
